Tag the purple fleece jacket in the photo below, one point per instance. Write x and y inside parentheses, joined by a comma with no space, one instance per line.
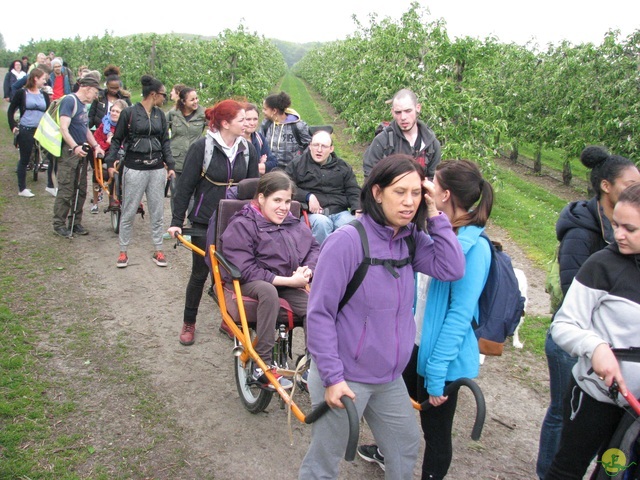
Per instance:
(261,249)
(370,340)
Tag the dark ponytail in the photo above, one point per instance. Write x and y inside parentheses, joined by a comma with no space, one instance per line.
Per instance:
(467,187)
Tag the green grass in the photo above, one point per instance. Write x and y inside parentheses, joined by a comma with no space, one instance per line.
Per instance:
(533,333)
(528,212)
(301,100)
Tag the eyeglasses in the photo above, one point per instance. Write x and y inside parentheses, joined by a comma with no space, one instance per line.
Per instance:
(320,146)
(164,94)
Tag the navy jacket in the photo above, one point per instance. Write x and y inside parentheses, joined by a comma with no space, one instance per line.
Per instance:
(582,230)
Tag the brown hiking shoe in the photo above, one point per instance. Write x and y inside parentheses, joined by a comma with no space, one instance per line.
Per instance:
(226,330)
(188,333)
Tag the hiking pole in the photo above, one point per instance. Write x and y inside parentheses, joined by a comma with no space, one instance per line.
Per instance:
(85,147)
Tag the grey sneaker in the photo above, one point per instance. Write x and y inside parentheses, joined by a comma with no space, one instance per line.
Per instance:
(371,453)
(260,377)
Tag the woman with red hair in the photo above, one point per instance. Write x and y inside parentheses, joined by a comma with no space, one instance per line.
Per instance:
(212,166)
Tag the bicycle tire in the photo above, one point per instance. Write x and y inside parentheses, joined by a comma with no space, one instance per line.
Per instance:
(254,398)
(35,159)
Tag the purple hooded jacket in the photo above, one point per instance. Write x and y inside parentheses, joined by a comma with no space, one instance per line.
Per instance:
(370,340)
(261,249)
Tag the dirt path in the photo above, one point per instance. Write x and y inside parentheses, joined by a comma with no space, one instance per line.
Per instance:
(152,408)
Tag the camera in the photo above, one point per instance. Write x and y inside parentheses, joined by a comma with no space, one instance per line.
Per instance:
(85,147)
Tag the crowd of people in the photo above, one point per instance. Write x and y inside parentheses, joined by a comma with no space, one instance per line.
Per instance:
(407,330)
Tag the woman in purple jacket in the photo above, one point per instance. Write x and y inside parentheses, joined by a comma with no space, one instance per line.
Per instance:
(276,255)
(361,350)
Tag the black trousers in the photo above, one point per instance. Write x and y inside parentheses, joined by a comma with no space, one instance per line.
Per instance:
(436,422)
(587,428)
(199,274)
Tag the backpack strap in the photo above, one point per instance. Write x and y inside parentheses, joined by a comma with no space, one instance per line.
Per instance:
(265,127)
(208,156)
(388,150)
(389,264)
(361,271)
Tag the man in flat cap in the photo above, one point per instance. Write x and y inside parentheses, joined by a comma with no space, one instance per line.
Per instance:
(77,139)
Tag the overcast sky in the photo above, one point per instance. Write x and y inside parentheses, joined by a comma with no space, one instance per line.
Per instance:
(302,21)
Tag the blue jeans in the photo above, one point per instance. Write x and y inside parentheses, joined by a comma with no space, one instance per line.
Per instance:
(323,225)
(560,365)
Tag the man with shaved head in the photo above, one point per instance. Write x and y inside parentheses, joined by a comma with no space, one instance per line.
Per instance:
(326,184)
(405,134)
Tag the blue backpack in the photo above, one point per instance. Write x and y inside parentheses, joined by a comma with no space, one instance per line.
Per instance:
(501,304)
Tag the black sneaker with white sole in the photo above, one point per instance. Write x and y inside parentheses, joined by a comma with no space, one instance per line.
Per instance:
(371,453)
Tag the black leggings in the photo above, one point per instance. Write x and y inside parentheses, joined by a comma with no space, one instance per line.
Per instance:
(437,423)
(199,274)
(584,436)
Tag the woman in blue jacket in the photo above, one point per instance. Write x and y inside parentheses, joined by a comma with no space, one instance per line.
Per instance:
(362,349)
(448,348)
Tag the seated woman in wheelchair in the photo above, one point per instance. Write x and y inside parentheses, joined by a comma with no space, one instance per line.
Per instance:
(276,255)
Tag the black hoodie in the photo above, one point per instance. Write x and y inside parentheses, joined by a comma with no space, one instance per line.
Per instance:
(582,230)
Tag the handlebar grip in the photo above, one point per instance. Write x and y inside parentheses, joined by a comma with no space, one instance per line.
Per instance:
(481,408)
(354,425)
(633,402)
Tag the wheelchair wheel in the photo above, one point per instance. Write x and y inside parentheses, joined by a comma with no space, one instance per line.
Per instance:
(254,398)
(115,220)
(116,212)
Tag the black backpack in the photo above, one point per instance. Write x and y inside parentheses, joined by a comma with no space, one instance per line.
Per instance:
(361,271)
(501,303)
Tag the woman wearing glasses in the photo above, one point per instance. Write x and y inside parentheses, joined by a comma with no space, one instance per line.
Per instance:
(144,131)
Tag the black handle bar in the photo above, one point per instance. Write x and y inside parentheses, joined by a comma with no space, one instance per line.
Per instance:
(354,427)
(481,408)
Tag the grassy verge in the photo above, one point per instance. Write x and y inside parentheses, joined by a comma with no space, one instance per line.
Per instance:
(529,213)
(72,405)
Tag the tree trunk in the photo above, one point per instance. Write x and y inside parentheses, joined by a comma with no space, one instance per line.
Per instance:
(566,172)
(537,162)
(513,156)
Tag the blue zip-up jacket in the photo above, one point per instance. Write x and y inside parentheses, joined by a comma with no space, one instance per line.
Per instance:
(371,339)
(262,147)
(449,347)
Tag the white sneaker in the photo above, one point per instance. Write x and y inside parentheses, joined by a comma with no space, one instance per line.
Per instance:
(94,208)
(26,193)
(51,191)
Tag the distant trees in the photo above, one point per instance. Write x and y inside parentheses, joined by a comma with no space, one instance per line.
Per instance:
(233,64)
(481,96)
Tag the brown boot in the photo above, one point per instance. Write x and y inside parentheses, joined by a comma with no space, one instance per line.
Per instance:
(188,333)
(226,330)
